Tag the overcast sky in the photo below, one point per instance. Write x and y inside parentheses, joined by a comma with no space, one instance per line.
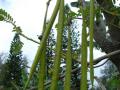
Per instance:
(29,15)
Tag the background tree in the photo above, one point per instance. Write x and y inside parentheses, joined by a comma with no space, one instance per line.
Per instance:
(6,85)
(14,64)
(110,77)
(25,68)
(3,58)
(112,21)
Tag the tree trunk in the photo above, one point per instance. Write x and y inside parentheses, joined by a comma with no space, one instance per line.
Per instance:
(112,42)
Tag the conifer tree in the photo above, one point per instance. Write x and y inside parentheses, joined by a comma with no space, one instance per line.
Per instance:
(14,63)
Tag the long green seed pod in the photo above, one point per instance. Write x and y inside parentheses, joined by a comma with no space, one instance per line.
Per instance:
(43,41)
(91,40)
(42,68)
(67,83)
(84,52)
(58,48)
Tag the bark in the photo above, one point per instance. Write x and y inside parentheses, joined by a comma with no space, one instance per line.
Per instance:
(113,42)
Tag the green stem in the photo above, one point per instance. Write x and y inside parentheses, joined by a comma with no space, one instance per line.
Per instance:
(58,48)
(43,41)
(21,34)
(91,41)
(45,18)
(42,70)
(67,84)
(43,56)
(84,52)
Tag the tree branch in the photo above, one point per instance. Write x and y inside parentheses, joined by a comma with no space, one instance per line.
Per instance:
(101,64)
(28,38)
(96,61)
(106,56)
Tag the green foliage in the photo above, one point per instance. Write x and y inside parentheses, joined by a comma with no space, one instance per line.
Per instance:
(14,69)
(4,16)
(14,61)
(16,45)
(2,68)
(24,70)
(114,82)
(17,29)
(1,18)
(69,15)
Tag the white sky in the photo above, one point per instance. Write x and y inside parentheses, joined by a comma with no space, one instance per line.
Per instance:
(29,15)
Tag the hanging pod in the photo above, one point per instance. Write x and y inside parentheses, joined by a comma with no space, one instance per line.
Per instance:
(57,61)
(43,41)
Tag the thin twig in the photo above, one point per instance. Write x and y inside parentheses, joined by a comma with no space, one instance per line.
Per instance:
(23,34)
(101,64)
(28,38)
